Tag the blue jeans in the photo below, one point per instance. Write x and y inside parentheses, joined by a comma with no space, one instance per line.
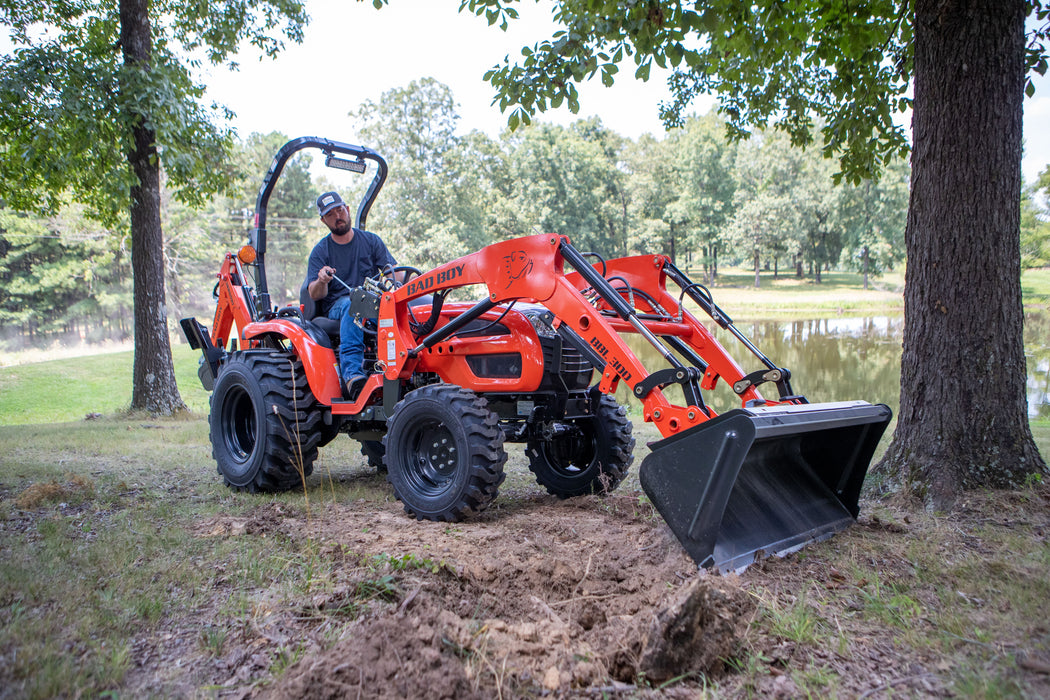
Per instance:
(351,340)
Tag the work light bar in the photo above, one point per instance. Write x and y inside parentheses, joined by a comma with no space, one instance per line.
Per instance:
(355,166)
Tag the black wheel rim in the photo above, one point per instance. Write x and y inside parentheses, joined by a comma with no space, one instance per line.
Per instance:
(239,430)
(430,457)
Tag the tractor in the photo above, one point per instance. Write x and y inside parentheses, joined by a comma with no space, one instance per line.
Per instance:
(524,341)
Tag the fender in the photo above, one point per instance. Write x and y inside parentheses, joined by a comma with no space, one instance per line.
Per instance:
(319,362)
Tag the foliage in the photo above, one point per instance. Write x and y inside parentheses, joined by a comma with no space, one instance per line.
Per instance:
(426,209)
(873,215)
(566,181)
(779,63)
(1035,222)
(65,129)
(785,64)
(62,275)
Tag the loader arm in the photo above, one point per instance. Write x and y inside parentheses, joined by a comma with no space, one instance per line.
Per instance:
(532,269)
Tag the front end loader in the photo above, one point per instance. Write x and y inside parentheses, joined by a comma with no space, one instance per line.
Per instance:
(537,359)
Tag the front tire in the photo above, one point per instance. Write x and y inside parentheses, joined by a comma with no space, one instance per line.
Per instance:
(264,423)
(444,453)
(592,457)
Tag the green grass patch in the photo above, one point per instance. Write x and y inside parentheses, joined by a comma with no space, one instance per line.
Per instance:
(1035,286)
(70,389)
(787,296)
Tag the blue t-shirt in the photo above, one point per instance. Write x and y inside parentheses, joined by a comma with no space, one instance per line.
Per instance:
(354,262)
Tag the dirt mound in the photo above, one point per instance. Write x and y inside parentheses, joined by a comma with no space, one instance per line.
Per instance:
(595,596)
(398,655)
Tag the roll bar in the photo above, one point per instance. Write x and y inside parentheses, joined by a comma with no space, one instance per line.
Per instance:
(257,236)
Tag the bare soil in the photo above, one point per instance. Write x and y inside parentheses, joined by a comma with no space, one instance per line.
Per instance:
(593,597)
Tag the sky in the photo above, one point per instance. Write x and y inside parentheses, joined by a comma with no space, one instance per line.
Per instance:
(352,52)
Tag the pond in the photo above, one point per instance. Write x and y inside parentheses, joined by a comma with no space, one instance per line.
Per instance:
(840,359)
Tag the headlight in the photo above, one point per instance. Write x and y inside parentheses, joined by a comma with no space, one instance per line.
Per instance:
(543,329)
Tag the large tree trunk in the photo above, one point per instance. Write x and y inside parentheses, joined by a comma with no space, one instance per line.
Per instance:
(153,389)
(963,419)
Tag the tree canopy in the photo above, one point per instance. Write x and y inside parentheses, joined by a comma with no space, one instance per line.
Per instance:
(68,94)
(789,64)
(100,99)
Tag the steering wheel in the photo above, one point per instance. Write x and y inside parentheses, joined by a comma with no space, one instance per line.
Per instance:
(385,279)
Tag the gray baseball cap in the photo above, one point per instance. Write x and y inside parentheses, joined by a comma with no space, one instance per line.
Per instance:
(329,201)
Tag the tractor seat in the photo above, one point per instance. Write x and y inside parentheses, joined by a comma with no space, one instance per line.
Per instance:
(328,325)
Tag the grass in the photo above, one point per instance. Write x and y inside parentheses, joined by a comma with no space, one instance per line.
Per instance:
(99,544)
(838,293)
(960,592)
(1035,287)
(789,297)
(98,385)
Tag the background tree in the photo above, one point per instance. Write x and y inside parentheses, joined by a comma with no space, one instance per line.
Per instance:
(98,100)
(763,225)
(872,216)
(426,214)
(651,187)
(1035,222)
(852,66)
(567,180)
(61,277)
(705,184)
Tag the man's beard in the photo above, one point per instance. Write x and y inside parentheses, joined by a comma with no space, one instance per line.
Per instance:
(340,229)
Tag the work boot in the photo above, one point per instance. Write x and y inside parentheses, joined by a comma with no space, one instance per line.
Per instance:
(354,385)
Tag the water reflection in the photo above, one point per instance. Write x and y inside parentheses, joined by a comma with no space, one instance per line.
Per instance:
(841,359)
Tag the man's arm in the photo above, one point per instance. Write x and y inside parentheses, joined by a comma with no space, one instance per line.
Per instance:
(318,288)
(317,267)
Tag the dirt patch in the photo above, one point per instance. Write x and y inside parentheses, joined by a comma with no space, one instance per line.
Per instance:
(594,597)
(547,596)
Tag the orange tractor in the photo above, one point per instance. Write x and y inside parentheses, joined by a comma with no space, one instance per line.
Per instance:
(537,360)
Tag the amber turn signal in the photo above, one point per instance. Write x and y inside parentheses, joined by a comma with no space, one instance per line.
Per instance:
(246,255)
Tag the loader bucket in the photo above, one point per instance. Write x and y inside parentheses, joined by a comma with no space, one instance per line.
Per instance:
(763,481)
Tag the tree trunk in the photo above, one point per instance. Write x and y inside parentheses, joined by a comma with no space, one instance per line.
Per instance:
(963,419)
(757,278)
(153,387)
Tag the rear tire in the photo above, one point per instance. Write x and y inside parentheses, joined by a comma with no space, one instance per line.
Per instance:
(375,452)
(592,459)
(264,424)
(444,453)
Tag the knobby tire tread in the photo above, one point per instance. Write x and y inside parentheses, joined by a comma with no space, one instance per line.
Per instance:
(291,416)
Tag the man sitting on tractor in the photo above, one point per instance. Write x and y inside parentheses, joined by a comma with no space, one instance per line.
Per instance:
(348,256)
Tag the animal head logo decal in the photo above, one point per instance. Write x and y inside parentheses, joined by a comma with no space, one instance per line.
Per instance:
(516,265)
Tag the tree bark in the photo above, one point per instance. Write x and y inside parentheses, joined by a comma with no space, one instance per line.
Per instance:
(963,419)
(153,389)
